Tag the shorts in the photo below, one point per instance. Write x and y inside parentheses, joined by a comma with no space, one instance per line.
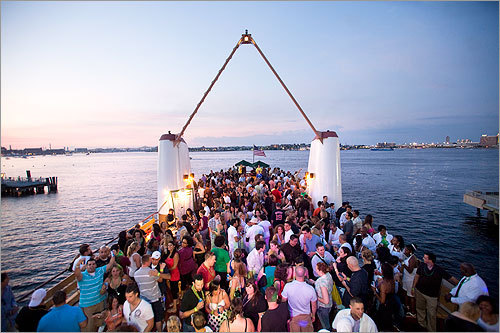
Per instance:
(158,311)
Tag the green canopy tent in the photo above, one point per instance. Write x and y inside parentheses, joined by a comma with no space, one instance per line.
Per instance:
(244,163)
(261,164)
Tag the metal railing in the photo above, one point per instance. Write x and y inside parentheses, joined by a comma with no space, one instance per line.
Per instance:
(490,198)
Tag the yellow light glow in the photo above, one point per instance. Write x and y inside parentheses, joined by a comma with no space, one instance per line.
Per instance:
(246,38)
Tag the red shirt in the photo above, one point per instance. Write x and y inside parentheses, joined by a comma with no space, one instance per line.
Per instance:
(317,211)
(207,273)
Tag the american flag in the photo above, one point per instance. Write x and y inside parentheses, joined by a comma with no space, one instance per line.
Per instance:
(258,152)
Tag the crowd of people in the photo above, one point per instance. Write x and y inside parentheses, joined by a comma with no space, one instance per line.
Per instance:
(256,254)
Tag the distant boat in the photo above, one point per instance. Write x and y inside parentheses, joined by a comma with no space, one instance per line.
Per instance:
(382,149)
(87,153)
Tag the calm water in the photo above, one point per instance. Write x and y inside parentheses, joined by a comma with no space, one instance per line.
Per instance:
(415,193)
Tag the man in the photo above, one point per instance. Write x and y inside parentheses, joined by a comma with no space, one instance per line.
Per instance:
(206,208)
(358,285)
(325,201)
(137,311)
(302,300)
(28,318)
(85,252)
(212,226)
(331,212)
(425,289)
(233,237)
(162,282)
(356,221)
(469,288)
(147,281)
(292,249)
(276,317)
(343,217)
(348,227)
(318,209)
(382,237)
(367,241)
(278,215)
(255,259)
(333,238)
(192,301)
(267,227)
(104,256)
(90,284)
(253,230)
(62,317)
(206,270)
(343,242)
(354,319)
(288,231)
(321,256)
(309,241)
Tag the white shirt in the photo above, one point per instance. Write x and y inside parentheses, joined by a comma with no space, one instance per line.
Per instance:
(78,259)
(347,245)
(266,225)
(255,261)
(139,316)
(207,211)
(333,239)
(399,254)
(252,231)
(227,199)
(367,242)
(378,238)
(231,233)
(344,322)
(287,235)
(343,219)
(471,289)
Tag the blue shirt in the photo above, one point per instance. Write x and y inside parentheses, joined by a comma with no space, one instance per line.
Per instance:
(311,243)
(90,287)
(64,318)
(8,303)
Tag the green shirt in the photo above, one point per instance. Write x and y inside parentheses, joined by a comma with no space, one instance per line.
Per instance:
(222,259)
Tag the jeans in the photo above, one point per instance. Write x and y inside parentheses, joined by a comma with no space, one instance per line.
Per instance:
(324,317)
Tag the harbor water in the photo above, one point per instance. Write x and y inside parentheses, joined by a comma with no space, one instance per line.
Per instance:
(415,193)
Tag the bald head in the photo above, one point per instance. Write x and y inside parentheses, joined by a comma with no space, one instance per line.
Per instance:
(352,263)
(300,273)
(467,269)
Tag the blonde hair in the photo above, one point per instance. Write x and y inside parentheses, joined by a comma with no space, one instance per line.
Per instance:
(132,248)
(174,324)
(470,310)
(367,254)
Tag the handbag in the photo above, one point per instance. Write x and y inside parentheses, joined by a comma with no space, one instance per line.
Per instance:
(336,295)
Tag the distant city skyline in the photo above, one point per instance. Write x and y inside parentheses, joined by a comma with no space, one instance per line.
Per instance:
(120,74)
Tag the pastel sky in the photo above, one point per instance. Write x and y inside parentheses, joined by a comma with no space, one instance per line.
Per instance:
(120,74)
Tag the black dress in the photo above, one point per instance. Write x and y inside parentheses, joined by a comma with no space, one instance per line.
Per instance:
(251,310)
(455,324)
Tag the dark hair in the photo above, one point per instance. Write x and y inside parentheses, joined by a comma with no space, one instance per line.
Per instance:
(213,286)
(281,272)
(189,240)
(381,227)
(355,300)
(393,260)
(123,235)
(369,219)
(489,299)
(235,309)
(271,294)
(319,244)
(306,228)
(59,297)
(197,277)
(91,259)
(257,294)
(110,299)
(400,241)
(322,267)
(348,206)
(84,248)
(273,260)
(234,221)
(260,244)
(359,242)
(219,241)
(387,271)
(4,276)
(115,247)
(383,254)
(174,251)
(133,288)
(356,212)
(293,237)
(411,247)
(209,254)
(156,229)
(237,253)
(199,320)
(349,214)
(432,256)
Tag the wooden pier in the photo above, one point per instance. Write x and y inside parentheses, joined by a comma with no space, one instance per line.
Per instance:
(484,200)
(22,186)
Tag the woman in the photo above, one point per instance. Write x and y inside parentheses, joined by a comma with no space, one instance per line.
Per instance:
(268,271)
(172,262)
(464,320)
(199,249)
(216,305)
(222,263)
(114,315)
(139,238)
(275,250)
(324,288)
(280,278)
(187,265)
(385,299)
(368,224)
(153,245)
(116,283)
(279,234)
(409,269)
(134,257)
(304,218)
(190,217)
(340,265)
(397,247)
(203,225)
(254,303)
(237,283)
(236,322)
(299,261)
(157,233)
(489,313)
(122,240)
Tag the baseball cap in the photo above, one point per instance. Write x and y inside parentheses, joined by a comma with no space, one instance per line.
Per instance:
(37,297)
(156,255)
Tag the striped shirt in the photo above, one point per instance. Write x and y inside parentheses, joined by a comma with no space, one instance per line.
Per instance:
(90,287)
(148,285)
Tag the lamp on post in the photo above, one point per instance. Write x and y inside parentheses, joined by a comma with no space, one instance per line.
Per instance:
(246,38)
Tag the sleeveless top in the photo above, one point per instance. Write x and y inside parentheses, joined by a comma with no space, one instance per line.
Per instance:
(133,267)
(487,327)
(175,275)
(111,320)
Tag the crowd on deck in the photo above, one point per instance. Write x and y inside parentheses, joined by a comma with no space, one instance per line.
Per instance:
(258,255)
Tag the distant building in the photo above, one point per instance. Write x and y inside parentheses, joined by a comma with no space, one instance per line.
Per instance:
(33,151)
(81,150)
(447,139)
(488,141)
(386,145)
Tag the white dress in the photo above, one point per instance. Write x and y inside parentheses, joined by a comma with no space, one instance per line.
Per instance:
(408,277)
